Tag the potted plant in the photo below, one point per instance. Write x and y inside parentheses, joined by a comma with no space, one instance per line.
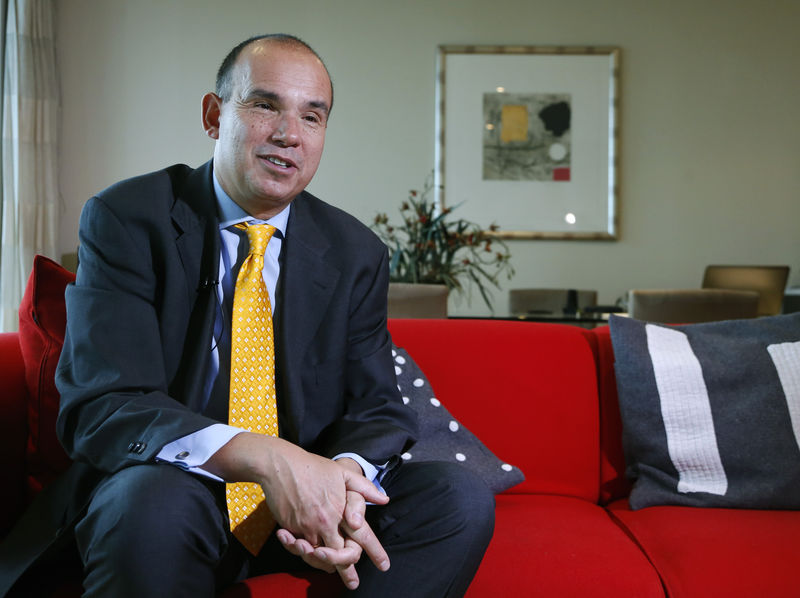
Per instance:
(429,247)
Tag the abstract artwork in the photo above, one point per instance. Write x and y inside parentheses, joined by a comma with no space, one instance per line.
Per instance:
(526,137)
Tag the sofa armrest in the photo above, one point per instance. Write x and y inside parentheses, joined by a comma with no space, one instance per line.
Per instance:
(13,429)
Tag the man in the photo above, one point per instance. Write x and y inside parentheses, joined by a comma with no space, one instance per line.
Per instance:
(146,375)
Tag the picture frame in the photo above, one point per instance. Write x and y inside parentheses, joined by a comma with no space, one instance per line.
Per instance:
(527,139)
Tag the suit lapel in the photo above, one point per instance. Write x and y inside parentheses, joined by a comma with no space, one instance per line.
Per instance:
(197,242)
(308,280)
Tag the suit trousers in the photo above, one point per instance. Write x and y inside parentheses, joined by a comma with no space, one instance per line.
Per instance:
(156,530)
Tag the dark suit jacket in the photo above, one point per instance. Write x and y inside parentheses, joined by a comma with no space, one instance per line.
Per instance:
(139,326)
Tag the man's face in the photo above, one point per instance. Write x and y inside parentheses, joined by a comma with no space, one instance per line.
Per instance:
(271,132)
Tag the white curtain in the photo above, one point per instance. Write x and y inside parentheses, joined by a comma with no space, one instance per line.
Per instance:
(28,155)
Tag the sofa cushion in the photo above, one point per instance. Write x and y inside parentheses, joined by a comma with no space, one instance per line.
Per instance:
(528,391)
(42,320)
(711,412)
(717,553)
(561,546)
(441,436)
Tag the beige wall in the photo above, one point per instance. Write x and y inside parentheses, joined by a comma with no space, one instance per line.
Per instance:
(710,129)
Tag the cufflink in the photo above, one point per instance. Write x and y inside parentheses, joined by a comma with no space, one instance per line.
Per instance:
(182,455)
(137,447)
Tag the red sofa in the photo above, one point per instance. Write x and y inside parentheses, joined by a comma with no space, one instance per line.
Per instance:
(542,397)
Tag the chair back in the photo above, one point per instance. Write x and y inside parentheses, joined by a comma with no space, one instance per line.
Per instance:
(768,281)
(687,306)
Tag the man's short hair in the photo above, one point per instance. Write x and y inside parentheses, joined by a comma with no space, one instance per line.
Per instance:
(224,84)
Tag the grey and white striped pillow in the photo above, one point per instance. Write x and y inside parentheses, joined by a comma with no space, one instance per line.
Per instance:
(711,412)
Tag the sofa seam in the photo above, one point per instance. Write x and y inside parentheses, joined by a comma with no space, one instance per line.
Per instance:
(626,530)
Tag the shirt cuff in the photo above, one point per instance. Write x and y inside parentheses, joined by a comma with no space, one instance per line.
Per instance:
(191,451)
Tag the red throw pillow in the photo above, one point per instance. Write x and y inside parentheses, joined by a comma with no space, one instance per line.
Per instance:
(42,320)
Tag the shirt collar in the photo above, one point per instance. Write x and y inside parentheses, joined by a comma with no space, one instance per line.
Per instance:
(231,213)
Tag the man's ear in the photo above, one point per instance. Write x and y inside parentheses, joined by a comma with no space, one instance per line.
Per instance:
(212,106)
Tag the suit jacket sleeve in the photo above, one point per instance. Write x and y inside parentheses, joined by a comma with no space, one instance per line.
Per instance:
(127,319)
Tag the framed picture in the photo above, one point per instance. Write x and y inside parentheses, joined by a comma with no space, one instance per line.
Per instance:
(527,139)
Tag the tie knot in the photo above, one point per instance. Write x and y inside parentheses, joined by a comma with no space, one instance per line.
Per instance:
(259,235)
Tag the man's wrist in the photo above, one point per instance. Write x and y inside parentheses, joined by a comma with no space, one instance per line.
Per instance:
(243,458)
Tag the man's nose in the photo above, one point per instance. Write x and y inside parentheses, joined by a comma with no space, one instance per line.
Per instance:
(287,131)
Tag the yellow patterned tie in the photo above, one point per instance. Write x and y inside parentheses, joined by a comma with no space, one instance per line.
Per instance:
(252,404)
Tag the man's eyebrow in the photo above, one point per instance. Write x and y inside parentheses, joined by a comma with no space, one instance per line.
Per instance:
(321,106)
(263,94)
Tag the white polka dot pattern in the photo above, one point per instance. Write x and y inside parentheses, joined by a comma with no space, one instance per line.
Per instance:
(441,436)
(252,404)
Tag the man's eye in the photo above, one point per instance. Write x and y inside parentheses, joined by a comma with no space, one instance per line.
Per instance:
(264,105)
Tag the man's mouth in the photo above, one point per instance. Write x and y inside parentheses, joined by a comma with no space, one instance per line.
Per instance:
(279,162)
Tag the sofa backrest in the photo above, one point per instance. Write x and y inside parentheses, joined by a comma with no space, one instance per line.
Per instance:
(528,391)
(613,483)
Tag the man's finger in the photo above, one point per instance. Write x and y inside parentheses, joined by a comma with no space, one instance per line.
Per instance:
(293,544)
(369,542)
(301,548)
(354,509)
(349,576)
(340,557)
(344,560)
(364,487)
(332,538)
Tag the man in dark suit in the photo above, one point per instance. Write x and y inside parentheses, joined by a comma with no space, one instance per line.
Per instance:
(144,375)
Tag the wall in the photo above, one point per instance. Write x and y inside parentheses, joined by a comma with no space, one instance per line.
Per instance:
(710,142)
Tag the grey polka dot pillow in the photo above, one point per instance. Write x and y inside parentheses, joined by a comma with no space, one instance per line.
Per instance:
(441,436)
